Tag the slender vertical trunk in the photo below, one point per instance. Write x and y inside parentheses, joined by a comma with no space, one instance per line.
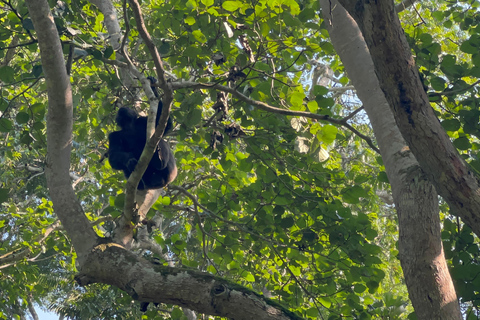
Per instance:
(421,252)
(31,308)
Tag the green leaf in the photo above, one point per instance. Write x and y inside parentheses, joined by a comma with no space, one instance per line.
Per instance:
(294,7)
(22,117)
(306,15)
(449,61)
(426,38)
(471,315)
(438,83)
(462,143)
(25,138)
(37,70)
(471,45)
(190,21)
(328,133)
(359,288)
(312,106)
(438,15)
(166,201)
(371,234)
(351,195)
(13,17)
(97,54)
(287,222)
(7,74)
(3,195)
(325,103)
(119,201)
(232,5)
(325,301)
(296,99)
(449,66)
(476,59)
(194,117)
(199,36)
(5,125)
(382,177)
(320,90)
(247,276)
(372,286)
(176,313)
(28,24)
(313,311)
(451,125)
(468,48)
(208,3)
(108,52)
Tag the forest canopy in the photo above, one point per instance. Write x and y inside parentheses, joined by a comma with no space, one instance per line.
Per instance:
(311,138)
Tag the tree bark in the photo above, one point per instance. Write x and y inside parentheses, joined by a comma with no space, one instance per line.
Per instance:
(203,292)
(59,130)
(421,252)
(401,84)
(31,308)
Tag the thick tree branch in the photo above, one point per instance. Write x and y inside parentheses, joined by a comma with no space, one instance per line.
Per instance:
(202,292)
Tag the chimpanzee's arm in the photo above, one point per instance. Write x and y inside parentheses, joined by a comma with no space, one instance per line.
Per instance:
(119,155)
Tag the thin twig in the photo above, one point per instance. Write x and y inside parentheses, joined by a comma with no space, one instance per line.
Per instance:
(351,115)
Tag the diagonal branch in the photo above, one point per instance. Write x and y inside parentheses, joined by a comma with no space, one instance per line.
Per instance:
(266,107)
(124,231)
(19,254)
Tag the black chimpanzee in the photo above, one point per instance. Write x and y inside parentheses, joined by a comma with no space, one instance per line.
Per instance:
(126,146)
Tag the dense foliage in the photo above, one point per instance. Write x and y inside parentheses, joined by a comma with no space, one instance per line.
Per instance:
(285,205)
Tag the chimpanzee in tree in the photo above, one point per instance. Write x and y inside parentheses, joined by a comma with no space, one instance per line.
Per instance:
(126,146)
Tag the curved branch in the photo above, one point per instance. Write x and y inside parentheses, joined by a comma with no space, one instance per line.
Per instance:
(203,292)
(266,107)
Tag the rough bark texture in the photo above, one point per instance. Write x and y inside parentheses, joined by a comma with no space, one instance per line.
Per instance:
(421,253)
(149,282)
(59,130)
(400,82)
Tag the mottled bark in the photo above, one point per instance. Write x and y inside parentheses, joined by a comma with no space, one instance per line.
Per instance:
(203,292)
(421,253)
(398,76)
(59,130)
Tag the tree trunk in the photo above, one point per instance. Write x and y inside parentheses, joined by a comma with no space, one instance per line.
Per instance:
(59,131)
(421,252)
(31,308)
(398,77)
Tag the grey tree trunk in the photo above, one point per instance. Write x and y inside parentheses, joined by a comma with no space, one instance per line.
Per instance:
(399,79)
(421,252)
